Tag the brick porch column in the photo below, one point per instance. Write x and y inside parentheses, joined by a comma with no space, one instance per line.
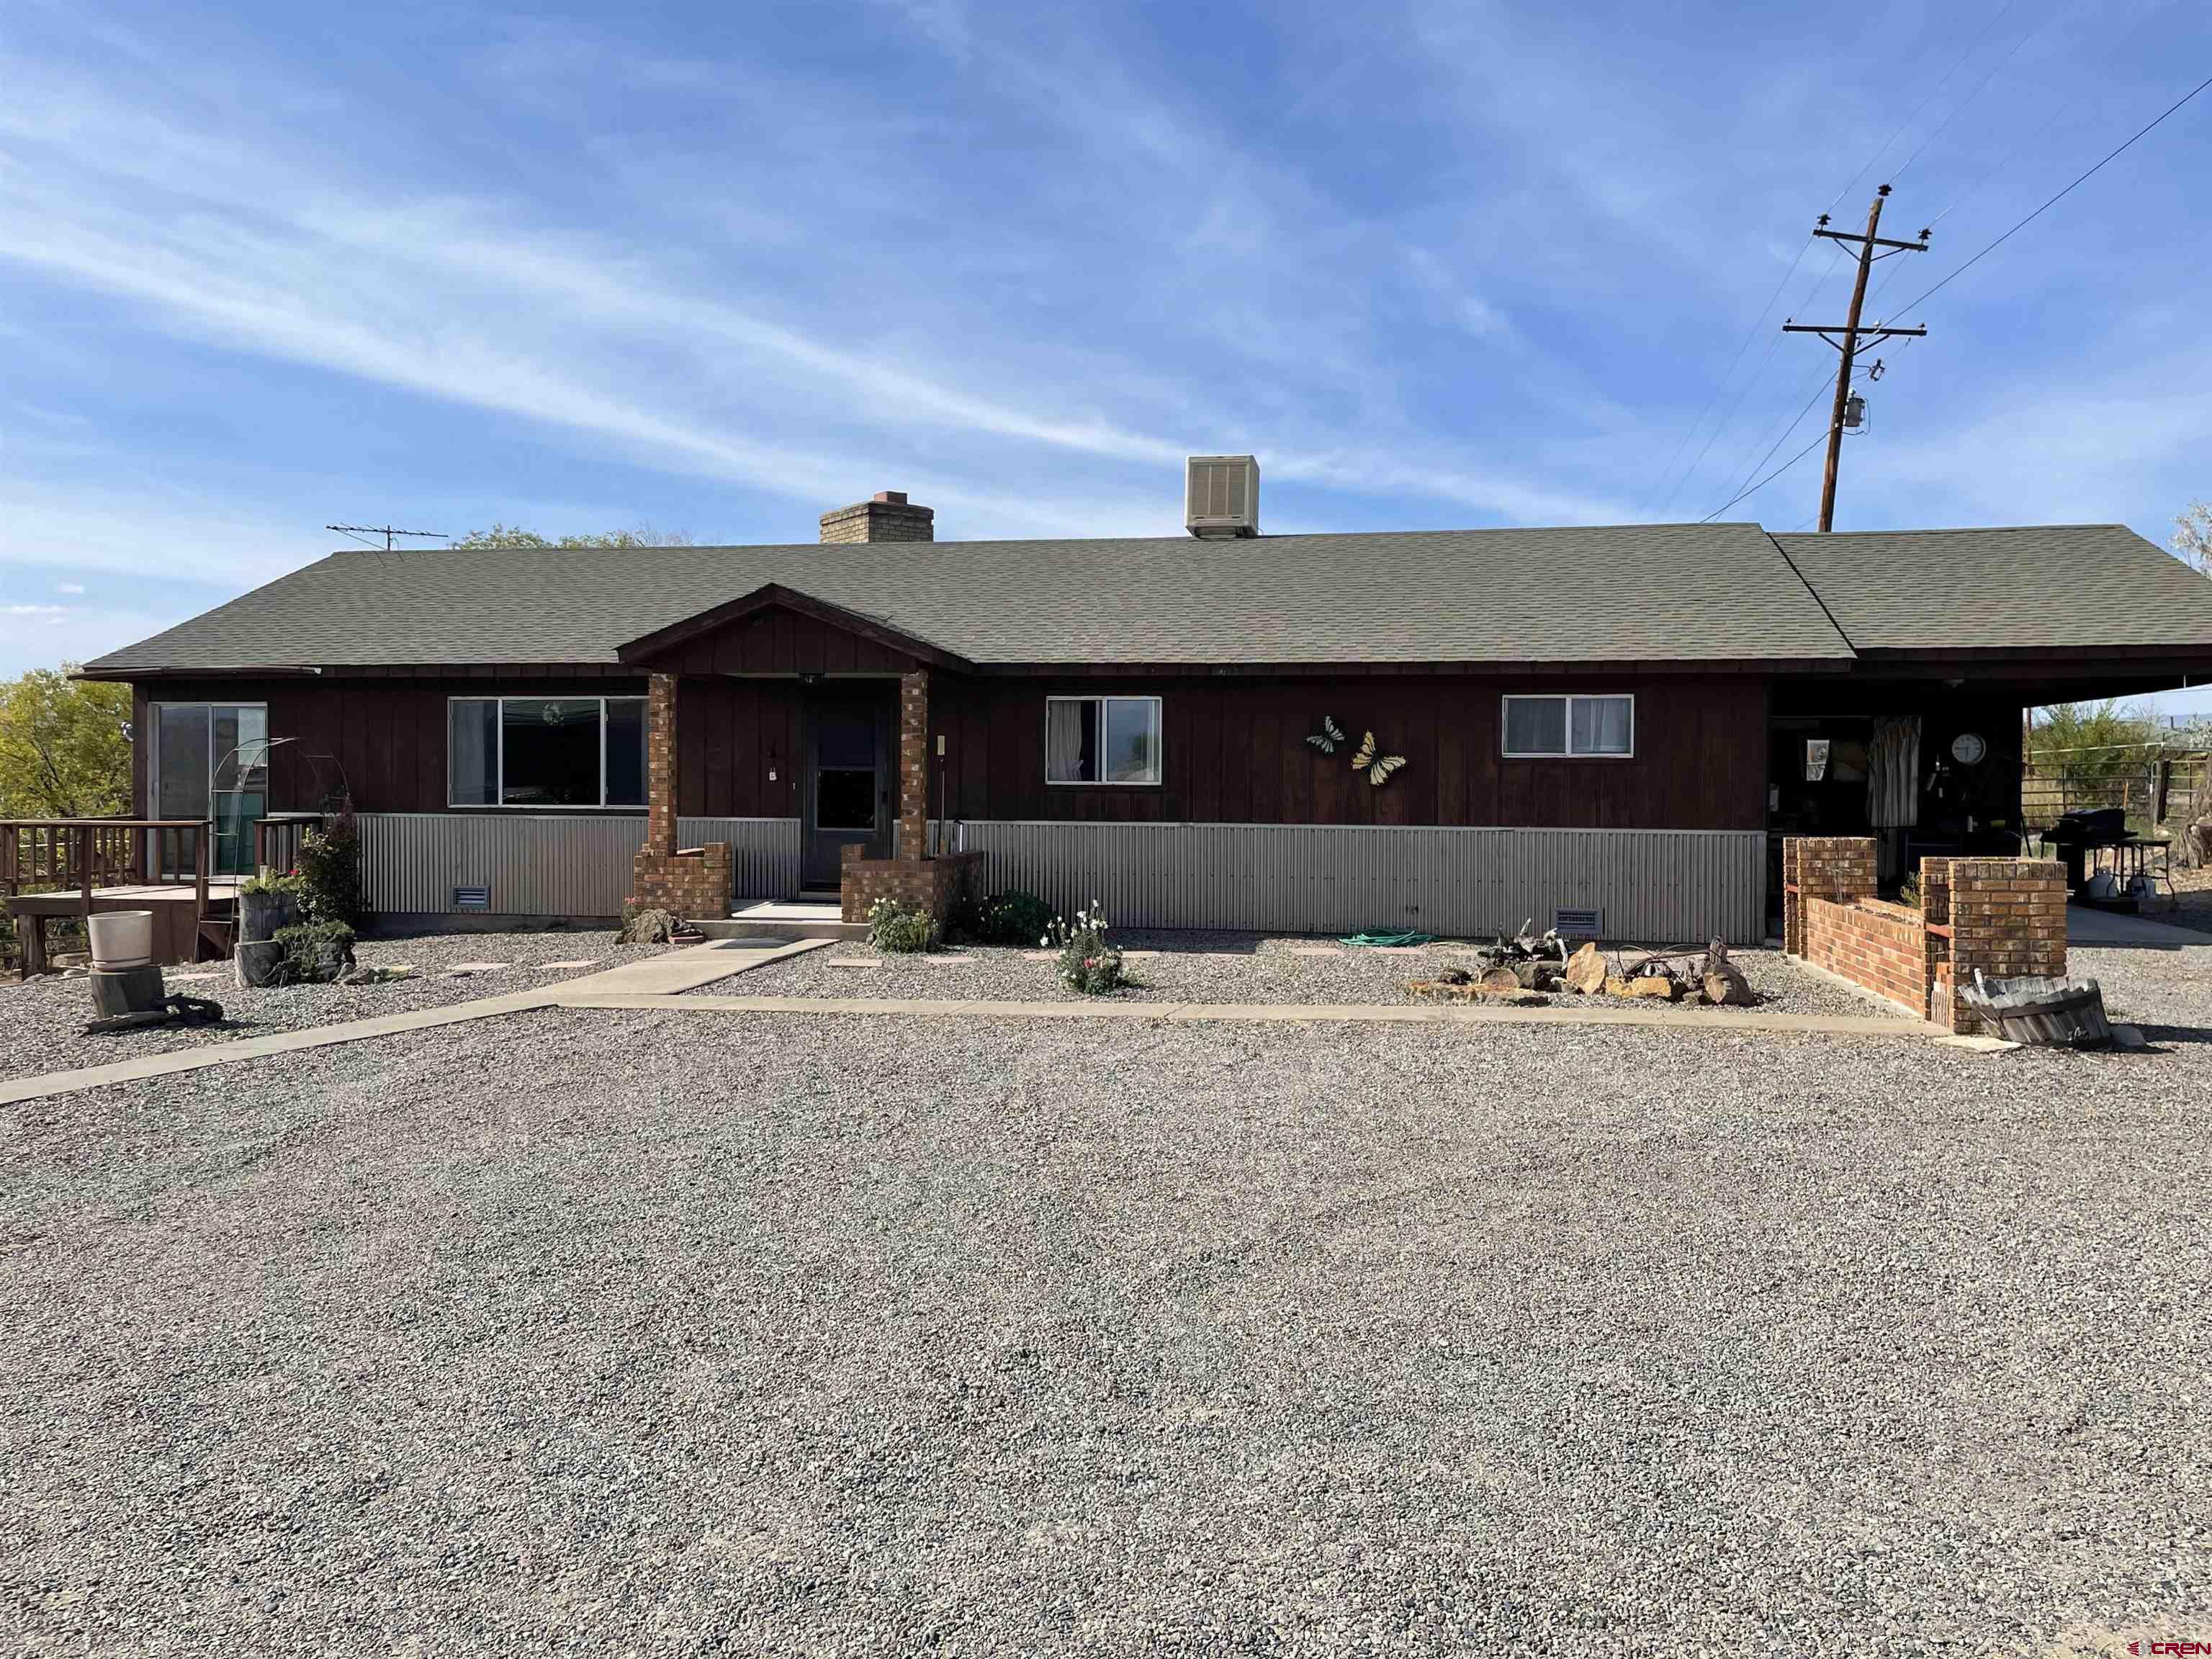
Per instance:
(660,767)
(913,765)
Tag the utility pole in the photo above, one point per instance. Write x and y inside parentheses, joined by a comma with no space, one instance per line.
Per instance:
(1852,334)
(357,531)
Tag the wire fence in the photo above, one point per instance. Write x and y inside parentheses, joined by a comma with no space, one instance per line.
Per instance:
(2158,794)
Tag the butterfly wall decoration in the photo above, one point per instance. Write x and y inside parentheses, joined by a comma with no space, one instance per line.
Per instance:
(1378,768)
(1328,738)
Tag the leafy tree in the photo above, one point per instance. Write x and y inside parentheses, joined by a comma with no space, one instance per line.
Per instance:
(2192,536)
(64,753)
(502,535)
(2093,748)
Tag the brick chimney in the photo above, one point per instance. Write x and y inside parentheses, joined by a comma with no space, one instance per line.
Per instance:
(886,516)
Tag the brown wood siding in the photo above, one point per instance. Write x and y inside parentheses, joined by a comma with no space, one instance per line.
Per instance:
(1234,753)
(776,641)
(730,734)
(386,734)
(1233,748)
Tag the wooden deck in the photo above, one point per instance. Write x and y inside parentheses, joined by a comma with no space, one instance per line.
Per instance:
(183,932)
(86,866)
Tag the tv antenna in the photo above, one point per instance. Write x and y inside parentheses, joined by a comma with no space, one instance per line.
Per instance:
(362,532)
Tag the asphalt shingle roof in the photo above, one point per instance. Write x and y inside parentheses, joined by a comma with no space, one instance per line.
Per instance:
(1635,593)
(2076,585)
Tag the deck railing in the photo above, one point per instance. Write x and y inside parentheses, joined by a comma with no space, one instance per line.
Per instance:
(55,854)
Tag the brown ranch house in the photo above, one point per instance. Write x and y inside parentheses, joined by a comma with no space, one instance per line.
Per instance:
(1620,721)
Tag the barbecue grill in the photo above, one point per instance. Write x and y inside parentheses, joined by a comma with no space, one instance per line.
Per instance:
(2078,836)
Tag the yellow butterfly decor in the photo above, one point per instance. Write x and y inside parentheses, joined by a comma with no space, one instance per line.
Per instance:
(1378,768)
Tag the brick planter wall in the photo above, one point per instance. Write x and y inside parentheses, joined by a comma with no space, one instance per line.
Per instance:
(2006,917)
(1878,946)
(937,884)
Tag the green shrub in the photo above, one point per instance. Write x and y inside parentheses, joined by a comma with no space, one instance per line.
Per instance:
(315,952)
(266,880)
(1087,962)
(900,929)
(1010,918)
(330,869)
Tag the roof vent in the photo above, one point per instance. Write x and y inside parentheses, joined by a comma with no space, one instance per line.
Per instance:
(1221,497)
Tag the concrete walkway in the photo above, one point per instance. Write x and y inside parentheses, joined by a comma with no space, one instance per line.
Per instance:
(2088,929)
(659,984)
(662,976)
(1276,1013)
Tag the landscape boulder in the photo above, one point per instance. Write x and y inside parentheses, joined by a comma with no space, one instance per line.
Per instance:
(1655,987)
(1586,970)
(648,926)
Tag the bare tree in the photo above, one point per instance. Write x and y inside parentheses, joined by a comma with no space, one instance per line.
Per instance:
(2192,537)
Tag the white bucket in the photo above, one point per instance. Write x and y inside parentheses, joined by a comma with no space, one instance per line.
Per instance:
(122,938)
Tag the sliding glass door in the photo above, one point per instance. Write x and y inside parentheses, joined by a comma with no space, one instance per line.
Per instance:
(211,761)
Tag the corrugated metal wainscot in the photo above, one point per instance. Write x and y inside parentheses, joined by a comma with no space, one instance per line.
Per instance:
(1653,885)
(419,862)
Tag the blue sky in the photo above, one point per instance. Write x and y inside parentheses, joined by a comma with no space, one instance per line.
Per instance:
(717,268)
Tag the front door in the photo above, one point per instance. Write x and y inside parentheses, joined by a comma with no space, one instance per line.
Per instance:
(847,789)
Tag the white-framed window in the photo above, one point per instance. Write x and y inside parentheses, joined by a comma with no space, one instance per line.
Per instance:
(1578,727)
(545,752)
(1102,740)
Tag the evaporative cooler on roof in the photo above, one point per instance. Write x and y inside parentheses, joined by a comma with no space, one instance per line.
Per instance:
(1221,498)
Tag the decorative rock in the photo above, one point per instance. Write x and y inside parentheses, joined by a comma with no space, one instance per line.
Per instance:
(1586,970)
(1726,987)
(2128,1036)
(1501,979)
(648,927)
(1654,986)
(1616,986)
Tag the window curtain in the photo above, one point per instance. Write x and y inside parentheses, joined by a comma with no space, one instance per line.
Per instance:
(1601,725)
(1893,773)
(1066,725)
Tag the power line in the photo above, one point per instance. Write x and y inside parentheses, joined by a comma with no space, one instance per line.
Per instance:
(1721,385)
(1795,421)
(1960,105)
(2110,156)
(1757,374)
(1764,482)
(1925,102)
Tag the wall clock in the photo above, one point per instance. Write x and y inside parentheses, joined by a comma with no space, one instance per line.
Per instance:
(1967,749)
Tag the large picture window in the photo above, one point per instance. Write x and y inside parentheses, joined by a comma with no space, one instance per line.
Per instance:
(1102,739)
(1597,727)
(545,752)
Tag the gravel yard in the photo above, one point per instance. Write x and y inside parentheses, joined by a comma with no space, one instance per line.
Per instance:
(42,1020)
(1195,967)
(667,1332)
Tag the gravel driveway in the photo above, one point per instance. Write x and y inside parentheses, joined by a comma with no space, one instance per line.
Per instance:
(42,1020)
(668,1332)
(1199,967)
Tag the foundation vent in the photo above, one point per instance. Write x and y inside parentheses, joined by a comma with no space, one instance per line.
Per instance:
(1586,923)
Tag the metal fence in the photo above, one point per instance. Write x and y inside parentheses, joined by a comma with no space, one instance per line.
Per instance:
(416,863)
(1658,885)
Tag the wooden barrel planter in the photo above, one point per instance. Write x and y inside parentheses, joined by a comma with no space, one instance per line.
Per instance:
(2065,1012)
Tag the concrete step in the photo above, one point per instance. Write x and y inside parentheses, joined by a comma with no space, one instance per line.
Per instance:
(784,919)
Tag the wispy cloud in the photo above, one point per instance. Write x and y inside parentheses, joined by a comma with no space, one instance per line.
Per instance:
(68,587)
